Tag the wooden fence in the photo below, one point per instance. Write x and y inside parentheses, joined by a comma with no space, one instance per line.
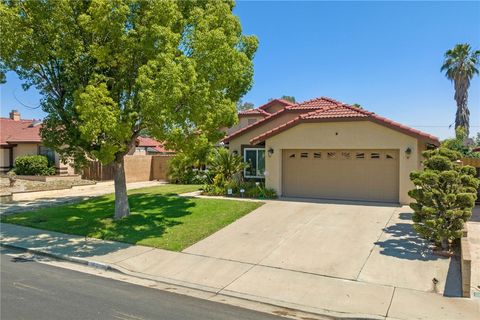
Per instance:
(137,168)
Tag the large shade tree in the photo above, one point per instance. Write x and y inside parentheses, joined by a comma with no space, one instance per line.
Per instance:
(460,65)
(108,69)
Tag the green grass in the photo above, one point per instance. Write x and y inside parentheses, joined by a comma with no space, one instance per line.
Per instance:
(158,217)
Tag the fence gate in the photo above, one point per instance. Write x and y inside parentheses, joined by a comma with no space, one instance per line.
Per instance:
(98,172)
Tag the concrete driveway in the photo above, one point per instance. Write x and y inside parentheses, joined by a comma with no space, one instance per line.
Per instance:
(353,241)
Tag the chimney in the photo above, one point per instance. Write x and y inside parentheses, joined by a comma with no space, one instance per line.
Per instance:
(15,115)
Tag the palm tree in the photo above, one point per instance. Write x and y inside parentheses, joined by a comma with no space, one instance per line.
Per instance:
(460,65)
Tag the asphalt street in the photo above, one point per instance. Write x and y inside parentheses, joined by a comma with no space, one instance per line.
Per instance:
(32,290)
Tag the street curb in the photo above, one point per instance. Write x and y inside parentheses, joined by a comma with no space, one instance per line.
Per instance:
(327,314)
(85,262)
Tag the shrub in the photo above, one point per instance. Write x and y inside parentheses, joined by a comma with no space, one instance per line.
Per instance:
(33,165)
(183,169)
(459,144)
(226,173)
(225,165)
(250,189)
(258,190)
(445,194)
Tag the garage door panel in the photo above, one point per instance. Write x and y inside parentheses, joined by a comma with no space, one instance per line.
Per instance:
(341,174)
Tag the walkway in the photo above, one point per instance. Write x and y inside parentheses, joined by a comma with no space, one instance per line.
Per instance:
(39,199)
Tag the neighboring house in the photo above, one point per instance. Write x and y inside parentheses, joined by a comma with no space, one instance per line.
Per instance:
(323,148)
(20,137)
(149,146)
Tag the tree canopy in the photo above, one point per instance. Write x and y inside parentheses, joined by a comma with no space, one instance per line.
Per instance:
(242,106)
(288,98)
(108,69)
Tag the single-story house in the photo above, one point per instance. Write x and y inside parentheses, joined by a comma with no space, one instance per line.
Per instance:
(20,137)
(149,146)
(323,148)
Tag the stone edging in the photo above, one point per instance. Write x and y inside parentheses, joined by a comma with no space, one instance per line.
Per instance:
(466,267)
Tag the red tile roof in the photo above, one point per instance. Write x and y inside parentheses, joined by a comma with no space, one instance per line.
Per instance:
(306,106)
(344,112)
(281,101)
(253,112)
(19,131)
(316,103)
(152,143)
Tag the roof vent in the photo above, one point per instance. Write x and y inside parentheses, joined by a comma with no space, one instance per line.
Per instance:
(35,123)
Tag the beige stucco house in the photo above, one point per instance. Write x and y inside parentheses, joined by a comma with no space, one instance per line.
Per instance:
(323,148)
(20,137)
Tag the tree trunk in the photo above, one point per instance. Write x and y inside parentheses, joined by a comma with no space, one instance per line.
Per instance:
(444,244)
(122,208)
(462,116)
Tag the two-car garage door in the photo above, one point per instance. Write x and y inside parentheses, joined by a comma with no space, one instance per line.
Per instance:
(370,175)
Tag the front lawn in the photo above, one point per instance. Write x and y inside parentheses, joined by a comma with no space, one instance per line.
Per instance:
(159,218)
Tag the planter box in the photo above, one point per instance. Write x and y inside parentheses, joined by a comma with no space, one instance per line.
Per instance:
(49,178)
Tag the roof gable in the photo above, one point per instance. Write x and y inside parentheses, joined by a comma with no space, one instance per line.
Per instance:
(304,107)
(274,102)
(255,112)
(344,112)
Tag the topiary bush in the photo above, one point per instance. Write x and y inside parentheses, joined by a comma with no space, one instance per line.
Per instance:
(33,165)
(444,196)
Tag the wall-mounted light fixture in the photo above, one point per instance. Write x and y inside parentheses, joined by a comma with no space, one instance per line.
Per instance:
(270,151)
(408,152)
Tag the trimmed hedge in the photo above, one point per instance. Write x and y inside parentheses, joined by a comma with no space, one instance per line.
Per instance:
(33,166)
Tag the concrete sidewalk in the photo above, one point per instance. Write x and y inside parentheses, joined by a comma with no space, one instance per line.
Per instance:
(221,277)
(40,199)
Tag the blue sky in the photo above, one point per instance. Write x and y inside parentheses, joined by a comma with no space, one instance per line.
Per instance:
(385,56)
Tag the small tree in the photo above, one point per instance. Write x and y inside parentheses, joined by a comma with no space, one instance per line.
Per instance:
(445,194)
(225,165)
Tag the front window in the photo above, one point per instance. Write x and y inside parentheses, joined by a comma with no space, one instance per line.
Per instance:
(47,152)
(255,157)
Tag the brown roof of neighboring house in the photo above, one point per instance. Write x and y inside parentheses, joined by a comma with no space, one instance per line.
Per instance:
(342,112)
(19,131)
(152,143)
